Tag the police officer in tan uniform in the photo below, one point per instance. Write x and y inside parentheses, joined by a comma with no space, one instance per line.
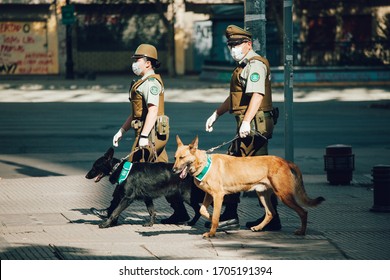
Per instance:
(147,103)
(250,101)
(150,124)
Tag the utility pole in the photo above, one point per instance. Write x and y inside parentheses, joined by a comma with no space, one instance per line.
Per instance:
(255,23)
(68,19)
(288,79)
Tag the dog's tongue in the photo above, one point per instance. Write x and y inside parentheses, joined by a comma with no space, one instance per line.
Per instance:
(184,173)
(98,178)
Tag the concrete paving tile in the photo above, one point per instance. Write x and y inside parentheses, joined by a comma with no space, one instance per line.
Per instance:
(49,218)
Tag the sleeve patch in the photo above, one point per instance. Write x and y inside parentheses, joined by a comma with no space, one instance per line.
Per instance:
(255,77)
(154,90)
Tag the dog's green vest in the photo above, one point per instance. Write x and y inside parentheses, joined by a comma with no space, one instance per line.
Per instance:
(125,171)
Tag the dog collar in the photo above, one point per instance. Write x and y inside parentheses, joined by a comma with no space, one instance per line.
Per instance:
(125,171)
(205,170)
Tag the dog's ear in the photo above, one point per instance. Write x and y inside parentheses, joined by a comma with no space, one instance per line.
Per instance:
(178,141)
(194,144)
(110,153)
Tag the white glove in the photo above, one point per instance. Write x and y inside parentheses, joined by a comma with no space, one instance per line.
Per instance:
(143,141)
(245,129)
(210,121)
(118,137)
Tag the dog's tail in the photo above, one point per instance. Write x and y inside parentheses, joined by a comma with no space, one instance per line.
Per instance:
(300,191)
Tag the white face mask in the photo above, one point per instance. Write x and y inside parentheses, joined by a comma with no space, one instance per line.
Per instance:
(236,53)
(136,68)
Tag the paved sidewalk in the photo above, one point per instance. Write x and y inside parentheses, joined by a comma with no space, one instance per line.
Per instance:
(48,218)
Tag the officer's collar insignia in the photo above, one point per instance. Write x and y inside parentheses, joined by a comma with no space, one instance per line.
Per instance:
(125,171)
(205,170)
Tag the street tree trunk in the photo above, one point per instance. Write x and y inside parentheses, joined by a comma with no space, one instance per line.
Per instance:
(170,43)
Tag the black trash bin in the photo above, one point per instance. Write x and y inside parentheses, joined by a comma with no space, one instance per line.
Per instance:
(381,179)
(339,164)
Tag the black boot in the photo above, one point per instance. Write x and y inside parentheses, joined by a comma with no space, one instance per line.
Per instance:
(275,223)
(101,213)
(116,198)
(180,215)
(229,218)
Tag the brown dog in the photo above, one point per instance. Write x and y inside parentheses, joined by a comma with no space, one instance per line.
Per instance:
(218,175)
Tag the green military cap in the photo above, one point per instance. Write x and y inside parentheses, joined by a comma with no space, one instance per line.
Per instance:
(234,33)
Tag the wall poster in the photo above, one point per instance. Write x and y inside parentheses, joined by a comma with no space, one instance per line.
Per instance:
(24,49)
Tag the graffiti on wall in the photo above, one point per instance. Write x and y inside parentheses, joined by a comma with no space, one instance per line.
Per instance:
(24,48)
(202,41)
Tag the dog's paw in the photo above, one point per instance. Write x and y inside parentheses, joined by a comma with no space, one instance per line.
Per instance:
(207,235)
(256,229)
(190,223)
(299,232)
(147,224)
(104,225)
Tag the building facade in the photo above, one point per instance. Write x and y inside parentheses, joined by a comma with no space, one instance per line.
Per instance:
(187,33)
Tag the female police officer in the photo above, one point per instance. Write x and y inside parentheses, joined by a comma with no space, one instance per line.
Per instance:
(147,103)
(150,124)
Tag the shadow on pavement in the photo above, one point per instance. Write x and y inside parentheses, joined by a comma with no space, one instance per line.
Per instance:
(30,171)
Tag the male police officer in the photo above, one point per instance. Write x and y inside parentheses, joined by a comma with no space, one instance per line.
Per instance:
(250,101)
(150,124)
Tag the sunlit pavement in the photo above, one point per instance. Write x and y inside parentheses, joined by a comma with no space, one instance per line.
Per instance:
(182,89)
(47,217)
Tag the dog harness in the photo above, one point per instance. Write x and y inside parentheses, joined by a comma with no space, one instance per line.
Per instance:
(125,171)
(205,170)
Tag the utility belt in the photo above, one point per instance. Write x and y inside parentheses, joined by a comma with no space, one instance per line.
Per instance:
(161,126)
(137,124)
(268,114)
(263,122)
(275,114)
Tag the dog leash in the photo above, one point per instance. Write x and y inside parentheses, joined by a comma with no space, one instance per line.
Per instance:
(130,154)
(223,144)
(235,138)
(123,159)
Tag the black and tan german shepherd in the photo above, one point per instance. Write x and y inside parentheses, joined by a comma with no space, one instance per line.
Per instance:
(146,181)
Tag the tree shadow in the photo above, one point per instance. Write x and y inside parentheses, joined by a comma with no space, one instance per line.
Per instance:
(30,171)
(125,218)
(53,252)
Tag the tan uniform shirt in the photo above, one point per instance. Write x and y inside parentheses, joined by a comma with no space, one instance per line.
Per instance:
(253,75)
(150,89)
